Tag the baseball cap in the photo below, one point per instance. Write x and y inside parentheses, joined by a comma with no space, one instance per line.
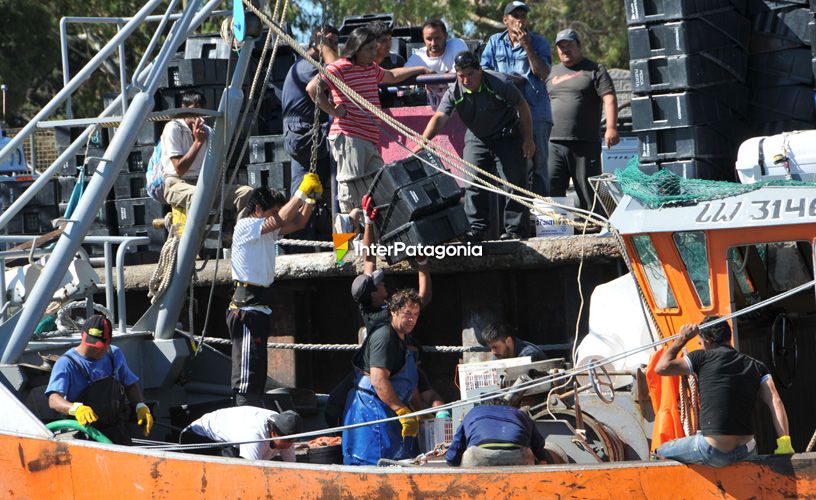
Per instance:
(465,59)
(510,7)
(287,423)
(364,284)
(567,34)
(96,331)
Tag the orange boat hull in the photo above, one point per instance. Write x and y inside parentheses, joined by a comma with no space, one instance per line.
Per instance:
(41,468)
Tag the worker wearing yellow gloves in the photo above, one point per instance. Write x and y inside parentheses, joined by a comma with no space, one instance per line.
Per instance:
(385,383)
(730,384)
(92,383)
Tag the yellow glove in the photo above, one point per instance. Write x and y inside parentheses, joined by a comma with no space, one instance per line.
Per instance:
(784,446)
(143,417)
(310,186)
(410,425)
(83,413)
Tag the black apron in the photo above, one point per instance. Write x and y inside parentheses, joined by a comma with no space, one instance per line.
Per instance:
(107,398)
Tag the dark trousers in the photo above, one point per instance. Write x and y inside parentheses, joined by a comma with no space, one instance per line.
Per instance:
(577,160)
(189,437)
(503,157)
(249,331)
(118,433)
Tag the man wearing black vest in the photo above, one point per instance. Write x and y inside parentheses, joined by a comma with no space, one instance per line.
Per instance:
(499,139)
(730,384)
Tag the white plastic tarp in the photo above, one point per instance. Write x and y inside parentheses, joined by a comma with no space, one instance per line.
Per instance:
(616,324)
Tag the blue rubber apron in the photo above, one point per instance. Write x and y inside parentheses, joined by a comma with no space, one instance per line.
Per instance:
(366,445)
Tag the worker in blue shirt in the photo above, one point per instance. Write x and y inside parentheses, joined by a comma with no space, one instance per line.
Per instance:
(518,51)
(496,434)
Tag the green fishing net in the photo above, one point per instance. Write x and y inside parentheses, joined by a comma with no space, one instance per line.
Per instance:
(665,188)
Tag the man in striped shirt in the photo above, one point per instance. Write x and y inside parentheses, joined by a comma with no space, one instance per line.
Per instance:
(354,133)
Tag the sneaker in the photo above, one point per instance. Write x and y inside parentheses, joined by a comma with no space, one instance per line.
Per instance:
(509,235)
(473,236)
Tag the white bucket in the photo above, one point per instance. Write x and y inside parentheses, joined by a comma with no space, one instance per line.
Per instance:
(549,220)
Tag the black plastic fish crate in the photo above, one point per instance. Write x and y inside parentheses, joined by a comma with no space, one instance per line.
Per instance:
(780,68)
(266,148)
(434,229)
(275,175)
(696,168)
(689,142)
(137,211)
(659,11)
(130,185)
(414,200)
(662,74)
(727,29)
(693,107)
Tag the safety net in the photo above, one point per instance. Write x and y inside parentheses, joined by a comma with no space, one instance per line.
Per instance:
(665,188)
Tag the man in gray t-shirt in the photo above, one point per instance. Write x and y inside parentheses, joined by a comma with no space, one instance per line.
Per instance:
(578,89)
(499,139)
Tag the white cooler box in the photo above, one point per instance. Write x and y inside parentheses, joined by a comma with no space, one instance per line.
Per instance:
(549,220)
(765,158)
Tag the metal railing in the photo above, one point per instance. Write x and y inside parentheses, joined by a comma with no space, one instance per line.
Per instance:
(107,242)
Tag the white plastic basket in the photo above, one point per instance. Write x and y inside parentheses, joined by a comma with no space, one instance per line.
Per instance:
(434,431)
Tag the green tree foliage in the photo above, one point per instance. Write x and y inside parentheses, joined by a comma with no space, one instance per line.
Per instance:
(29,36)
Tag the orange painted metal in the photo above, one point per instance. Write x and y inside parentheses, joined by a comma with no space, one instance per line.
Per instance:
(664,391)
(48,469)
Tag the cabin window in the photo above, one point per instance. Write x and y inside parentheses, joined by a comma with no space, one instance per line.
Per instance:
(692,248)
(655,275)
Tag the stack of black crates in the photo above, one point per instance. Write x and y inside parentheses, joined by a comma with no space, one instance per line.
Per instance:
(689,63)
(417,205)
(707,74)
(780,72)
(269,165)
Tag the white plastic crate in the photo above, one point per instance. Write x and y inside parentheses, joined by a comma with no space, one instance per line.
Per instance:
(434,431)
(476,378)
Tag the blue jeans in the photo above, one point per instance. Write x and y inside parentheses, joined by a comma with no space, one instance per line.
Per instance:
(696,450)
(539,173)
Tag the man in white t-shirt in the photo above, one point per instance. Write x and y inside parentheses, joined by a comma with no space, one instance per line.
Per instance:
(438,55)
(254,252)
(184,144)
(246,423)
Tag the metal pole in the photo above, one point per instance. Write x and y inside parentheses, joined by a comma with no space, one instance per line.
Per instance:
(66,71)
(76,81)
(172,301)
(122,73)
(32,143)
(109,278)
(100,184)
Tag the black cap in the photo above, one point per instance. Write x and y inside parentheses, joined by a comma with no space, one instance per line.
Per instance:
(97,331)
(567,34)
(466,59)
(287,423)
(364,284)
(510,7)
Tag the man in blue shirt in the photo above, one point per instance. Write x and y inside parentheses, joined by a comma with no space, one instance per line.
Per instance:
(517,51)
(496,434)
(90,381)
(298,115)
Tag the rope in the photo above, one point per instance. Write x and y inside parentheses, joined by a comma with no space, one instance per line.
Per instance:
(811,444)
(306,243)
(523,387)
(163,273)
(354,347)
(452,159)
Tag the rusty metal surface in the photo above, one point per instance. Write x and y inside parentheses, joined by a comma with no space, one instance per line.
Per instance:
(37,468)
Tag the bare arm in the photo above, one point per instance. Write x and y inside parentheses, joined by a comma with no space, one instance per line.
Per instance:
(769,395)
(540,68)
(369,260)
(134,394)
(436,123)
(183,163)
(322,98)
(526,121)
(385,391)
(397,75)
(288,216)
(668,364)
(610,102)
(424,276)
(58,403)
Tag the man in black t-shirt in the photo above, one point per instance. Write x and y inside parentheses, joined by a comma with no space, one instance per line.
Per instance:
(578,89)
(730,383)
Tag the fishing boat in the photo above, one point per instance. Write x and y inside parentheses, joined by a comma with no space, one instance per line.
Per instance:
(691,248)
